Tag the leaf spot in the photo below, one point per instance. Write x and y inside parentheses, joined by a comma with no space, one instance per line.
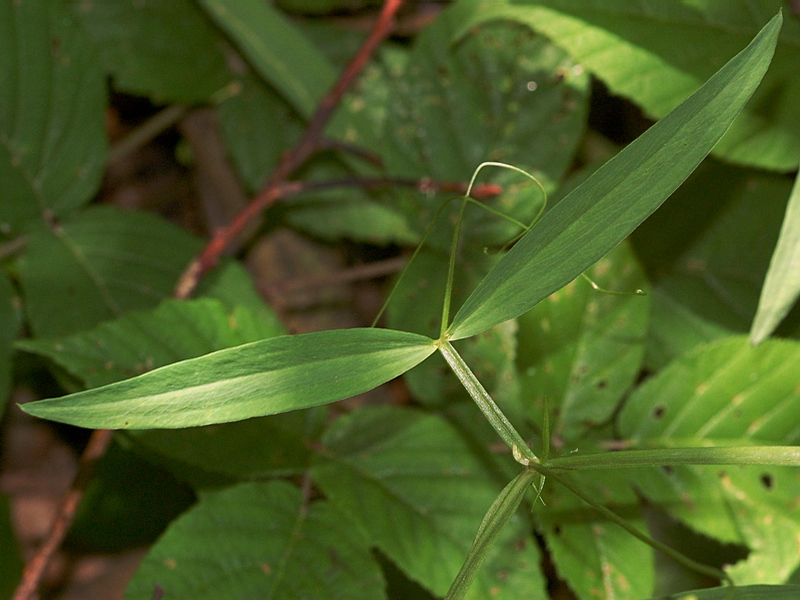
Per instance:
(767,481)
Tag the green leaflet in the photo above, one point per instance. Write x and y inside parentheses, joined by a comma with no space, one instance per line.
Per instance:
(419,492)
(267,377)
(632,45)
(590,552)
(141,341)
(168,51)
(580,350)
(724,394)
(596,216)
(260,540)
(98,265)
(782,285)
(278,51)
(52,100)
(177,330)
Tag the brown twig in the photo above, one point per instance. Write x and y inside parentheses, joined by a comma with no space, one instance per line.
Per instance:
(371,270)
(35,568)
(306,147)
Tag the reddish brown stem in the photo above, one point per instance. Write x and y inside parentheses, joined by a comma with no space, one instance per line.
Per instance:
(35,569)
(306,147)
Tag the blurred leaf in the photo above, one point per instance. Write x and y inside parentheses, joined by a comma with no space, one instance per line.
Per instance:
(52,101)
(415,488)
(782,284)
(98,265)
(165,50)
(260,540)
(596,557)
(501,94)
(726,393)
(658,53)
(580,350)
(141,341)
(711,275)
(129,502)
(10,560)
(675,329)
(258,126)
(271,376)
(323,7)
(9,325)
(602,211)
(278,50)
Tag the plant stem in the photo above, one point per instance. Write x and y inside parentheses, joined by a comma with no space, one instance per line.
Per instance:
(756,455)
(310,143)
(35,568)
(146,132)
(521,451)
(612,516)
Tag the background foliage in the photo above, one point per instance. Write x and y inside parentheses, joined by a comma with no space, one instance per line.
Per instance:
(384,501)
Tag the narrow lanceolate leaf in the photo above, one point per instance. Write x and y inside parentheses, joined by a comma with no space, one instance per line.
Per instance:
(262,378)
(278,51)
(597,215)
(260,540)
(726,394)
(782,285)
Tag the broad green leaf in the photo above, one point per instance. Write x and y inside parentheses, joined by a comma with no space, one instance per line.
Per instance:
(141,341)
(414,486)
(675,329)
(740,592)
(597,215)
(10,560)
(176,330)
(258,126)
(271,376)
(98,265)
(501,94)
(596,557)
(782,284)
(277,50)
(167,51)
(260,540)
(726,394)
(52,102)
(580,350)
(709,273)
(9,325)
(657,53)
